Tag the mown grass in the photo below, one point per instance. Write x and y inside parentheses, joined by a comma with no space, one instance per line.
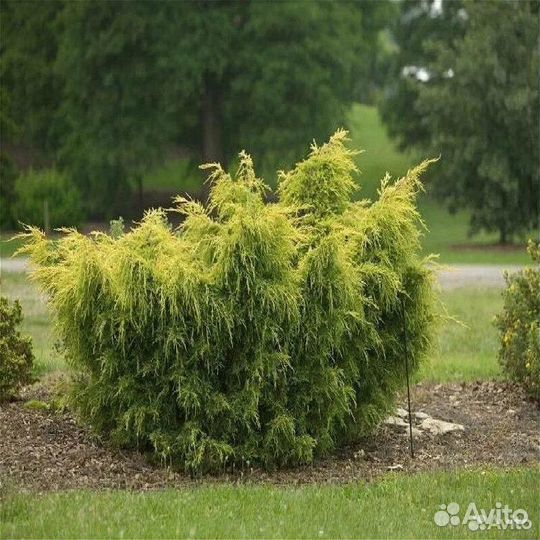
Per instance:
(397,506)
(379,154)
(467,342)
(447,236)
(9,245)
(465,351)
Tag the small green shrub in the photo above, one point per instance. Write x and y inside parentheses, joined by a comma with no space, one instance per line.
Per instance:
(37,405)
(268,333)
(16,357)
(519,325)
(47,191)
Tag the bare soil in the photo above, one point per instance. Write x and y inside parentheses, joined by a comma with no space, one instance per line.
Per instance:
(42,450)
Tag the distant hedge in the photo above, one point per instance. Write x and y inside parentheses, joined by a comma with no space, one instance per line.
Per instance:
(47,194)
(260,332)
(16,356)
(519,325)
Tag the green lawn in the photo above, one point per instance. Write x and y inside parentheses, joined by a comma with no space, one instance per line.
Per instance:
(466,350)
(446,232)
(379,155)
(398,506)
(7,246)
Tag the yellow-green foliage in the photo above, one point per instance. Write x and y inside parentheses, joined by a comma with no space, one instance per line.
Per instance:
(269,333)
(16,356)
(519,325)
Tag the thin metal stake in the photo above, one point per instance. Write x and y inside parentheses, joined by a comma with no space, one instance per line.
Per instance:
(407,373)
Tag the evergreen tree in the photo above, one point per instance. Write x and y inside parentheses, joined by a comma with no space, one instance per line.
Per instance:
(483,119)
(211,76)
(466,87)
(30,90)
(119,94)
(259,333)
(106,87)
(420,25)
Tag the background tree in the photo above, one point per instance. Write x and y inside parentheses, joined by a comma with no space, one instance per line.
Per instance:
(30,89)
(419,25)
(106,88)
(293,70)
(119,94)
(483,119)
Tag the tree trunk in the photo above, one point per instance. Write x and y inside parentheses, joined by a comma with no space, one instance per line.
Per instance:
(140,192)
(212,143)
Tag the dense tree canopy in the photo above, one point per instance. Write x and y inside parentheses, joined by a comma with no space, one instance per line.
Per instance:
(420,25)
(484,119)
(120,101)
(476,104)
(125,80)
(30,89)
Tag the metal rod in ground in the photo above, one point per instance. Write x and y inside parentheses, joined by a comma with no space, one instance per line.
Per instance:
(407,373)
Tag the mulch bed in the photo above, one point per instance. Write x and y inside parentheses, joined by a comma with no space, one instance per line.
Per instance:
(42,451)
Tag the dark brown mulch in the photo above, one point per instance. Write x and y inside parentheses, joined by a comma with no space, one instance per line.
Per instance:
(42,450)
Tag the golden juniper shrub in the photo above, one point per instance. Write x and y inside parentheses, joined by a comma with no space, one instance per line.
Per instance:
(262,332)
(16,356)
(519,325)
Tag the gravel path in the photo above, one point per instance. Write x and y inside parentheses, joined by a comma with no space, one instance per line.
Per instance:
(18,264)
(451,277)
(479,275)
